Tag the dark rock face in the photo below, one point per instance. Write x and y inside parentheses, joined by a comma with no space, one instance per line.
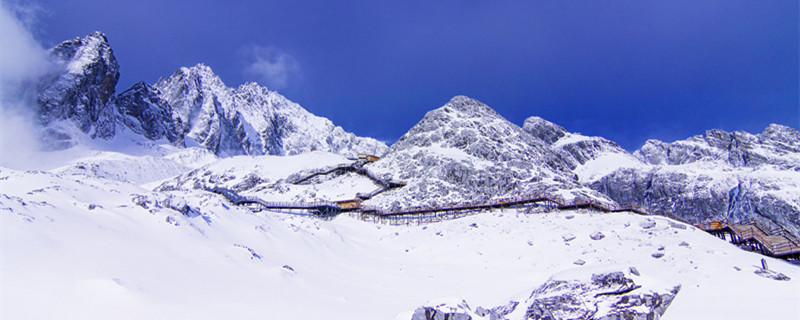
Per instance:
(612,295)
(569,150)
(142,110)
(545,130)
(83,85)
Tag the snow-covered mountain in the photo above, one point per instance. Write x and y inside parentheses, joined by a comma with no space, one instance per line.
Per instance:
(719,175)
(78,89)
(465,151)
(734,176)
(192,104)
(135,234)
(251,119)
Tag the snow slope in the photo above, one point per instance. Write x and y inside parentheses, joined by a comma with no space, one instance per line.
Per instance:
(265,177)
(96,248)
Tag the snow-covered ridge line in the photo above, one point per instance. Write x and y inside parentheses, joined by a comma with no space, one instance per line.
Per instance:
(193,106)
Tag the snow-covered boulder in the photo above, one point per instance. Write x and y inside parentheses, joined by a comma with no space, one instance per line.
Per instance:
(611,294)
(605,292)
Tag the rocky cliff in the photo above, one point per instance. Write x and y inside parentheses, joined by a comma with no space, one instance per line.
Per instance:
(78,88)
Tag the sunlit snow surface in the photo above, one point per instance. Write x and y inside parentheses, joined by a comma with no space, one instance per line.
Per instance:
(78,246)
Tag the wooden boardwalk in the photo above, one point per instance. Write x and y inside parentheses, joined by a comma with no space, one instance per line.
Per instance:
(412,215)
(773,242)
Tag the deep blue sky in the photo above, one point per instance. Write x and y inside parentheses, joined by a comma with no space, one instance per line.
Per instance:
(625,70)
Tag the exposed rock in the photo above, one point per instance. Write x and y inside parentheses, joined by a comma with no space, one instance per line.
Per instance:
(443,310)
(79,89)
(144,112)
(597,235)
(584,293)
(647,224)
(774,275)
(192,103)
(428,313)
(607,295)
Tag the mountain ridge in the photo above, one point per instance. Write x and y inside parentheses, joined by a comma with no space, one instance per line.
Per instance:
(461,151)
(193,103)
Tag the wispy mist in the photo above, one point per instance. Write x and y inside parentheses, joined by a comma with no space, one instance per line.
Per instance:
(271,66)
(22,61)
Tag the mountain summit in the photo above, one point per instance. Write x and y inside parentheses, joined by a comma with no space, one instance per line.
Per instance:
(83,82)
(251,119)
(466,151)
(192,106)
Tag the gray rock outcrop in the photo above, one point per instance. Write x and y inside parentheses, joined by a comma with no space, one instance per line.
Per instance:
(609,295)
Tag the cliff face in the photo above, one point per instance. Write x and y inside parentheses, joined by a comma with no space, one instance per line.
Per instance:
(80,88)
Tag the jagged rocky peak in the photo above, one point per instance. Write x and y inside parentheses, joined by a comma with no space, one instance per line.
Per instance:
(141,109)
(737,149)
(80,85)
(251,119)
(465,151)
(781,138)
(471,126)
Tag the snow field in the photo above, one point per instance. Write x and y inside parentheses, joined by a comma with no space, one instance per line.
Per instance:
(120,260)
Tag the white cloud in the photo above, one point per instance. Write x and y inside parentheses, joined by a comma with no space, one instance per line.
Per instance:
(271,66)
(21,57)
(22,61)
